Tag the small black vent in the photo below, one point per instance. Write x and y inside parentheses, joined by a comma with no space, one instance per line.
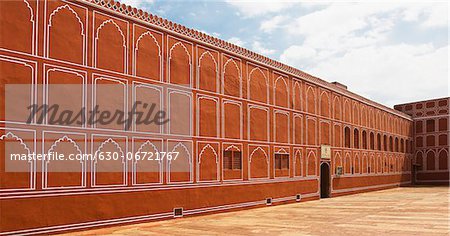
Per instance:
(298,197)
(177,212)
(268,201)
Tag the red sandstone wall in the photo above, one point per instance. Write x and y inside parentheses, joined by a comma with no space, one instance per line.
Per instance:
(431,140)
(237,103)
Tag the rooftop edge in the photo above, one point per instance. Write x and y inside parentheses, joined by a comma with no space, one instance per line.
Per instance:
(139,14)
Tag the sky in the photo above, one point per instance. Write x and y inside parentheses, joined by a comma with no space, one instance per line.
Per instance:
(390,52)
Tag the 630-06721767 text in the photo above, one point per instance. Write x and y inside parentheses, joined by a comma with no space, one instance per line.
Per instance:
(102,156)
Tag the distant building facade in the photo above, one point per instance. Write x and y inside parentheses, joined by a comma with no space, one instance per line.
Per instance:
(431,139)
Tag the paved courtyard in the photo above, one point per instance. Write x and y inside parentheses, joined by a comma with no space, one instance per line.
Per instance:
(399,211)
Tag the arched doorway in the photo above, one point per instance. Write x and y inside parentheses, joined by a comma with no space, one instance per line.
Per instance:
(324,180)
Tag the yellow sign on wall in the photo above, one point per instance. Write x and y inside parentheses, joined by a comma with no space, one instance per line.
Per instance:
(325,151)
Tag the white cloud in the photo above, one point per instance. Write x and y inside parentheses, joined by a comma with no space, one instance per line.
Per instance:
(237,41)
(297,55)
(136,3)
(437,16)
(140,4)
(342,26)
(259,48)
(272,23)
(351,43)
(390,74)
(433,14)
(248,8)
(215,34)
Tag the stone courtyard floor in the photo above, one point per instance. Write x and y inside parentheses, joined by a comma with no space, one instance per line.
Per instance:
(399,211)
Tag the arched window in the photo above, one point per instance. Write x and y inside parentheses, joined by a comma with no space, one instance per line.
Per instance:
(379,142)
(443,124)
(419,160)
(385,143)
(396,145)
(431,160)
(258,86)
(148,52)
(259,163)
(347,137)
(110,47)
(364,139)
(181,169)
(311,100)
(14,14)
(180,65)
(231,78)
(402,145)
(372,141)
(391,144)
(443,160)
(207,72)
(64,21)
(430,126)
(419,127)
(355,138)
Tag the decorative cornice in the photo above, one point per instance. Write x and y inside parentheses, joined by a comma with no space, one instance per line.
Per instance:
(155,20)
(430,100)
